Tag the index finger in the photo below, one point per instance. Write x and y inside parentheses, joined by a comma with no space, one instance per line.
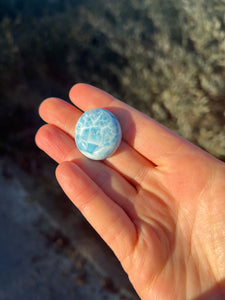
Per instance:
(148,137)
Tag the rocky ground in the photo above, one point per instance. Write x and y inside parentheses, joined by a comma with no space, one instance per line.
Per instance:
(166,58)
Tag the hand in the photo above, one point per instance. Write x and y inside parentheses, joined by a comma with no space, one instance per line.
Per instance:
(158,202)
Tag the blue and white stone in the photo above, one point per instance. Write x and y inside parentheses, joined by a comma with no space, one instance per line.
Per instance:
(98,134)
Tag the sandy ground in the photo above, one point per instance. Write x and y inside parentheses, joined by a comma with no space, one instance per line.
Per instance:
(37,261)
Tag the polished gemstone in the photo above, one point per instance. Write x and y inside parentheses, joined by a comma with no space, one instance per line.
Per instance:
(97,134)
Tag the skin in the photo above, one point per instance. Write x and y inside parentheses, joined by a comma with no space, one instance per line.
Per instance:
(158,202)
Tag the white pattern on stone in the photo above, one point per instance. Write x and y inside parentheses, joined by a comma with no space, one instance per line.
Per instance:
(98,134)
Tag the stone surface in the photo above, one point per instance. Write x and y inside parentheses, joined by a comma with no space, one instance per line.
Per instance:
(98,134)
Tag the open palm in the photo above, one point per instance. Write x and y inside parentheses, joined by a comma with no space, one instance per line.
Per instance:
(158,202)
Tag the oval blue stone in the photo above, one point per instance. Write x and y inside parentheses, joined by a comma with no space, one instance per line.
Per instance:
(98,134)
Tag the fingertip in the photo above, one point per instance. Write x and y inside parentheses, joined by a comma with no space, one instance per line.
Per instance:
(61,168)
(38,136)
(86,96)
(44,136)
(65,173)
(58,171)
(42,106)
(77,89)
(48,105)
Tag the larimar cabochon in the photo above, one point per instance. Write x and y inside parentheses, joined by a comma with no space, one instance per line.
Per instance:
(98,134)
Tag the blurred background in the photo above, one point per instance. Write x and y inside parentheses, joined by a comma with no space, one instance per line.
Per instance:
(164,57)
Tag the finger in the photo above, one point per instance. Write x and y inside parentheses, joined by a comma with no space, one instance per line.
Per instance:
(56,143)
(60,113)
(109,220)
(60,146)
(126,160)
(147,136)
